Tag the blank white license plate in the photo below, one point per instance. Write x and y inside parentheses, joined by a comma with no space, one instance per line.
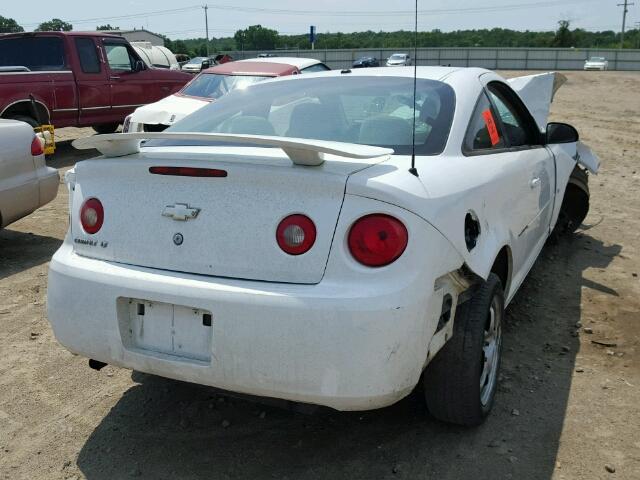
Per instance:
(170,329)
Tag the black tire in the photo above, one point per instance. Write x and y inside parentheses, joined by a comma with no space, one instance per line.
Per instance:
(26,119)
(106,128)
(575,204)
(452,380)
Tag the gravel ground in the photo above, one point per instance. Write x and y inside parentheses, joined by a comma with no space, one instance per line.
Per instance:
(567,407)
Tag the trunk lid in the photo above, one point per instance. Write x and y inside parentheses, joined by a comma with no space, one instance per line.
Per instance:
(234,233)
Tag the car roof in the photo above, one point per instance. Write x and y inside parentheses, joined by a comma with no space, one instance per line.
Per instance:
(426,73)
(61,34)
(298,62)
(243,67)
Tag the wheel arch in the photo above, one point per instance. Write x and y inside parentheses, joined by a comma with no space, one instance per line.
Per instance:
(23,107)
(503,268)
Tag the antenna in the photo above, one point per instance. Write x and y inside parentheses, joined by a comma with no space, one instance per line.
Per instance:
(413,170)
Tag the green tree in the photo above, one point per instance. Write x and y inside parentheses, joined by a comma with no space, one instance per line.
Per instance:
(202,50)
(54,25)
(106,27)
(564,36)
(9,25)
(256,37)
(180,47)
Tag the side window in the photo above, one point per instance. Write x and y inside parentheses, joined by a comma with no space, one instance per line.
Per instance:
(483,133)
(88,55)
(318,67)
(118,57)
(517,126)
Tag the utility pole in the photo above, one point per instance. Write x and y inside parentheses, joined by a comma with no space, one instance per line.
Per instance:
(206,25)
(625,10)
(637,34)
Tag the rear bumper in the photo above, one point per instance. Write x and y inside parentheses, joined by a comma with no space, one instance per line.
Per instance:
(48,183)
(357,340)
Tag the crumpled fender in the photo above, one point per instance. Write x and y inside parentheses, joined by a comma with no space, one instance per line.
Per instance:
(587,158)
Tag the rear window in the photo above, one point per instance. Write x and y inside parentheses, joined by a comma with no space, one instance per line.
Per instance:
(210,85)
(36,53)
(363,110)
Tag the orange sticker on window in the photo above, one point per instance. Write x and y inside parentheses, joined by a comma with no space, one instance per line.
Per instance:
(491,127)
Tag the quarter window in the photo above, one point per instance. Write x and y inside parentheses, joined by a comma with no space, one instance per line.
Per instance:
(88,55)
(484,132)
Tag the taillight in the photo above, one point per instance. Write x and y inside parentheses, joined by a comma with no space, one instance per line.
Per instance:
(92,215)
(36,147)
(377,240)
(296,234)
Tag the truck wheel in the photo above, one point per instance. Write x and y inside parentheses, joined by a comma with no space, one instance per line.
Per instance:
(26,119)
(575,204)
(460,382)
(106,128)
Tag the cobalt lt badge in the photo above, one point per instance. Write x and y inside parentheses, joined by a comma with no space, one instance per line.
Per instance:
(178,239)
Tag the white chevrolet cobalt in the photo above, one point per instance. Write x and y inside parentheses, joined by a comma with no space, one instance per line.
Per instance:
(277,242)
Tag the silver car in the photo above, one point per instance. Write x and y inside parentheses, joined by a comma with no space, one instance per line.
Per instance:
(26,183)
(399,60)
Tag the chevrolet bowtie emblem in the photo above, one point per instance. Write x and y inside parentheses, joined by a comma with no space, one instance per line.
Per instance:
(180,212)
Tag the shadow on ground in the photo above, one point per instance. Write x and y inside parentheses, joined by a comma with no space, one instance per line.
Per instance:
(67,156)
(163,429)
(20,251)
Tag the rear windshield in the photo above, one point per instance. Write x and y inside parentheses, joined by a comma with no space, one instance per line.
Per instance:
(597,59)
(211,85)
(36,53)
(397,57)
(196,60)
(360,109)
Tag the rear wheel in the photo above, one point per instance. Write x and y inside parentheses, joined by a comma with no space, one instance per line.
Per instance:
(106,128)
(461,381)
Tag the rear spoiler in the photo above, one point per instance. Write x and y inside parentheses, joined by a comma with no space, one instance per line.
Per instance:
(537,92)
(301,151)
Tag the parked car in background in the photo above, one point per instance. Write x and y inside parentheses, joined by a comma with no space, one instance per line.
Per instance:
(197,64)
(399,60)
(206,87)
(596,63)
(78,79)
(156,56)
(266,55)
(366,62)
(277,242)
(304,65)
(26,183)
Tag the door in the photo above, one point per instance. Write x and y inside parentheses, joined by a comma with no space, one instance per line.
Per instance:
(131,86)
(94,93)
(525,142)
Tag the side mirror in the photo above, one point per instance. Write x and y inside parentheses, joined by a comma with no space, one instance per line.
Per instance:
(561,133)
(206,64)
(139,66)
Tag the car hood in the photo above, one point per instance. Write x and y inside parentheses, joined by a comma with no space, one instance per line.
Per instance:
(168,110)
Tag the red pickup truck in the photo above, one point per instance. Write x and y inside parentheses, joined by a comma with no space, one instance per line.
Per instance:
(77,79)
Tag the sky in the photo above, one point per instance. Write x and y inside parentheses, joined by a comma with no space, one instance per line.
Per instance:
(186,20)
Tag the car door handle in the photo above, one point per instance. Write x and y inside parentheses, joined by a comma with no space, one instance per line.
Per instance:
(535,182)
(114,78)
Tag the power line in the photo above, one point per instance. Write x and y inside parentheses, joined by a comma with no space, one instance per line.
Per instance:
(334,13)
(386,13)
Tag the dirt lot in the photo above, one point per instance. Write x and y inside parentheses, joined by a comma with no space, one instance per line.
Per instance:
(567,408)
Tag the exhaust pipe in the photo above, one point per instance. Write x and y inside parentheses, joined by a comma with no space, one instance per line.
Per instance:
(96,365)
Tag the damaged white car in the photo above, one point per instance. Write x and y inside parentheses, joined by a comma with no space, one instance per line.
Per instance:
(277,243)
